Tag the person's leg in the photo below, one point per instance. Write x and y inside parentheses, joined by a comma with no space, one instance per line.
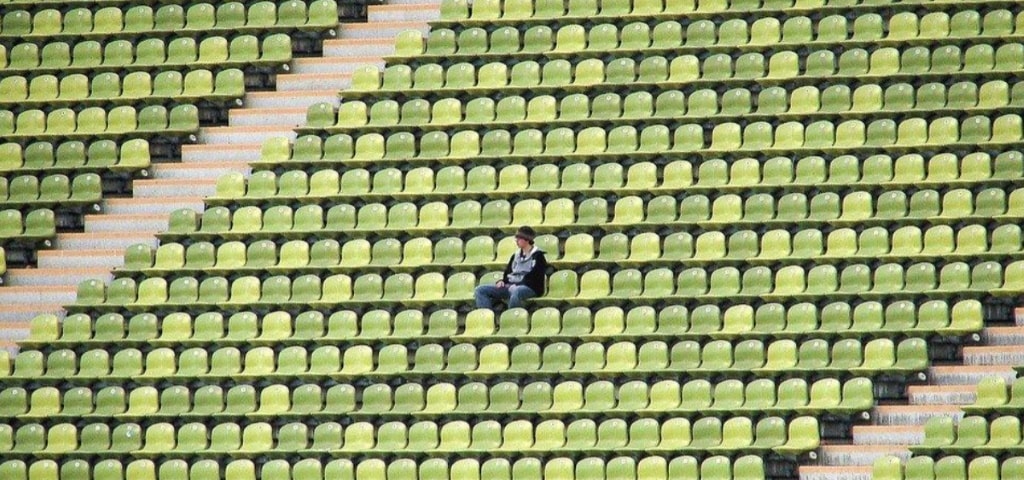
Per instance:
(485,295)
(519,294)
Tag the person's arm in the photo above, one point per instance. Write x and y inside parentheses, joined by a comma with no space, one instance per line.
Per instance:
(508,270)
(537,276)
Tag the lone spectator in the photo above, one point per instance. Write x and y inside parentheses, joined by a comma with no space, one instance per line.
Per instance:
(524,276)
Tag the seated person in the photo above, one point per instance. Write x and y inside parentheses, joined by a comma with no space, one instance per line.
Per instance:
(524,276)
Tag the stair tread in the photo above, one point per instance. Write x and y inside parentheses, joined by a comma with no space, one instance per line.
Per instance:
(377,25)
(36,288)
(402,7)
(1004,330)
(332,60)
(122,216)
(35,307)
(201,166)
(918,408)
(356,41)
(134,233)
(298,76)
(970,368)
(247,128)
(992,348)
(862,448)
(266,110)
(52,270)
(887,428)
(80,253)
(835,468)
(157,200)
(940,388)
(265,95)
(221,146)
(175,181)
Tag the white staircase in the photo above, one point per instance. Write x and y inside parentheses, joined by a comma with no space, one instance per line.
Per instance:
(98,250)
(896,427)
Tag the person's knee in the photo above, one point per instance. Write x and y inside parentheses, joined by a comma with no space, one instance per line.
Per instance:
(520,294)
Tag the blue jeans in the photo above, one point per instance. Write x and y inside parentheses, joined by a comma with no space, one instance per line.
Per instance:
(516,295)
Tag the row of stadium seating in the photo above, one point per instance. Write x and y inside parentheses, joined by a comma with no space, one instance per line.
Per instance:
(995,395)
(77,90)
(562,144)
(713,284)
(149,54)
(630,213)
(577,108)
(707,436)
(29,192)
(643,249)
(199,18)
(657,71)
(748,467)
(772,320)
(767,321)
(36,227)
(522,11)
(101,156)
(474,399)
(971,435)
(950,467)
(747,174)
(749,358)
(92,122)
(700,35)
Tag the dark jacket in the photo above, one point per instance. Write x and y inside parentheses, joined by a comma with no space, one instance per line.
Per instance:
(535,277)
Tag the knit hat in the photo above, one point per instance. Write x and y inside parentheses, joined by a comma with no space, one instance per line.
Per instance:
(526,233)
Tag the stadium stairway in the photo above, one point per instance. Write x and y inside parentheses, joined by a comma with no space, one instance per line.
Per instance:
(894,427)
(97,250)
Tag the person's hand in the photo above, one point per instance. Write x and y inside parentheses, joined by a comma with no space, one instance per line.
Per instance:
(500,284)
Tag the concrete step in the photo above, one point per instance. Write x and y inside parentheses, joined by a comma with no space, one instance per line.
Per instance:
(104,240)
(912,414)
(21,315)
(859,455)
(13,331)
(941,394)
(289,117)
(199,170)
(402,13)
(888,434)
(172,187)
(361,47)
(232,135)
(54,276)
(290,99)
(387,30)
(436,3)
(994,355)
(967,374)
(815,472)
(108,259)
(1003,336)
(334,65)
(238,152)
(123,222)
(36,294)
(161,205)
(313,81)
